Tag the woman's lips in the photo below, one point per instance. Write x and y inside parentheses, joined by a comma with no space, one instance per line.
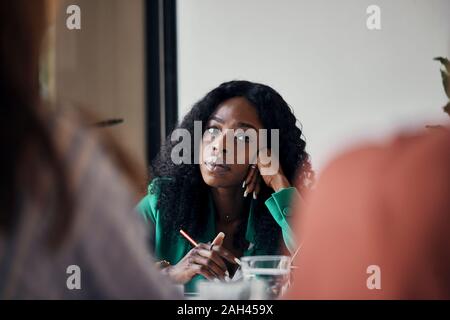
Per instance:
(217,168)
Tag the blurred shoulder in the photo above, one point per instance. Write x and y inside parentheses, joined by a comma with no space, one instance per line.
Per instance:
(414,148)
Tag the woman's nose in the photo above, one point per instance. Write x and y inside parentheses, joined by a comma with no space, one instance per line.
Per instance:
(219,145)
(219,149)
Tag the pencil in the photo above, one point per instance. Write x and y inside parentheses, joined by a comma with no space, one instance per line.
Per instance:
(192,241)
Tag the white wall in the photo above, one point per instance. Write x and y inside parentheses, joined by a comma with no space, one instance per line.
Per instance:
(101,66)
(344,82)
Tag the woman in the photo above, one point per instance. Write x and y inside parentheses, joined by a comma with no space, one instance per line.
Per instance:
(209,198)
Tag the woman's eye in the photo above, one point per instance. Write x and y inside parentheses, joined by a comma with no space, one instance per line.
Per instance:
(213,132)
(243,138)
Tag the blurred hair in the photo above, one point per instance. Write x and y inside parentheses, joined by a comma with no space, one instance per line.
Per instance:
(22,125)
(26,139)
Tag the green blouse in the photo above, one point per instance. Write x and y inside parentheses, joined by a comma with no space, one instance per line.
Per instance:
(165,249)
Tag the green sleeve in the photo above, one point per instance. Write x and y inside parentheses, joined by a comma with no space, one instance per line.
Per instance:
(148,209)
(147,206)
(279,205)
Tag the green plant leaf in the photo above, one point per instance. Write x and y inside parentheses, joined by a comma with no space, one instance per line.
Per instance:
(446,83)
(445,62)
(447,108)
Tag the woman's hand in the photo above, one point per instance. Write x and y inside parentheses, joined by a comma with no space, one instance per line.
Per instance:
(206,260)
(276,181)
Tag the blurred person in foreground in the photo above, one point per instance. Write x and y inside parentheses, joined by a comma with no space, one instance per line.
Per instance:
(63,201)
(385,206)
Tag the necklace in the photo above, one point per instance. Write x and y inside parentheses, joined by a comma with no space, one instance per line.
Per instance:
(229,218)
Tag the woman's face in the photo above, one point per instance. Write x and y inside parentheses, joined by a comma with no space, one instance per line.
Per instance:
(225,164)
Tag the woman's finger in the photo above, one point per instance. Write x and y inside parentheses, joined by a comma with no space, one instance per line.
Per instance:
(252,183)
(211,265)
(250,174)
(204,271)
(218,240)
(263,153)
(205,250)
(213,256)
(224,253)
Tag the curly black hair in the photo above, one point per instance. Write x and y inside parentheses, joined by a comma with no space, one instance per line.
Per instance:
(183,200)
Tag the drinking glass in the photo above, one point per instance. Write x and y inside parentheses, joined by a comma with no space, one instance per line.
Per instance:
(274,271)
